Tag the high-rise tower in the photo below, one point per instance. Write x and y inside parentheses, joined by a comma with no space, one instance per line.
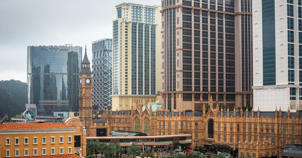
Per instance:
(85,93)
(277,26)
(52,73)
(134,55)
(206,53)
(102,73)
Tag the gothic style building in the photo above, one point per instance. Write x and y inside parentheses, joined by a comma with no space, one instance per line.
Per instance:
(252,133)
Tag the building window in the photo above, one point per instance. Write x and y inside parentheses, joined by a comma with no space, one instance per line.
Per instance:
(7,141)
(35,152)
(61,140)
(69,150)
(25,152)
(26,141)
(35,140)
(291,37)
(52,151)
(17,153)
(43,140)
(69,139)
(52,140)
(44,151)
(17,141)
(7,153)
(211,128)
(77,141)
(61,151)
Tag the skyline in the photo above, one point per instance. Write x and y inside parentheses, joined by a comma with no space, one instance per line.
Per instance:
(25,24)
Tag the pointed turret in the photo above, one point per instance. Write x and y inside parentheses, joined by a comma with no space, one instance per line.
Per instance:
(85,69)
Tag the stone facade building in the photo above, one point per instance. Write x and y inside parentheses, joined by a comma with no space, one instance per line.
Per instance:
(252,133)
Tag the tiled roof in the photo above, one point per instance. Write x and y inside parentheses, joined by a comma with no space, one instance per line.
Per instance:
(48,125)
(54,156)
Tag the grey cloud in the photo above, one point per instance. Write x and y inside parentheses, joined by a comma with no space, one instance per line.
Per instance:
(51,22)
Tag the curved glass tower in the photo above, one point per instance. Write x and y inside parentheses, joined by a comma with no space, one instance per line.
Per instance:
(52,73)
(102,73)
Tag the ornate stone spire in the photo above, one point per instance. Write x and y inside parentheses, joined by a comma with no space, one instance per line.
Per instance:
(85,68)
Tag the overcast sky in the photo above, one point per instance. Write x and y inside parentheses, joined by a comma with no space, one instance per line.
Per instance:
(51,22)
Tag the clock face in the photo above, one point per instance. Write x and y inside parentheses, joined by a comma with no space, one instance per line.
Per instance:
(88,81)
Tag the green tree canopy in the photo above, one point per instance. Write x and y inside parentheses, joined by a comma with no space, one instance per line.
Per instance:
(133,150)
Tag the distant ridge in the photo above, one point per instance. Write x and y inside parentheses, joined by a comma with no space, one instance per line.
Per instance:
(13,97)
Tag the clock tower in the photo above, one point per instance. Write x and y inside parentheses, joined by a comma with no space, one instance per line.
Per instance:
(85,93)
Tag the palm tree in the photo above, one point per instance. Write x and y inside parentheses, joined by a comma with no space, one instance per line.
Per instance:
(221,156)
(193,155)
(133,150)
(147,153)
(92,147)
(101,147)
(116,149)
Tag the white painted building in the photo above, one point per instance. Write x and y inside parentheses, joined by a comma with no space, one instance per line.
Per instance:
(277,60)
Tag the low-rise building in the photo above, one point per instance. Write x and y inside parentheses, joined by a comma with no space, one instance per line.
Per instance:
(38,139)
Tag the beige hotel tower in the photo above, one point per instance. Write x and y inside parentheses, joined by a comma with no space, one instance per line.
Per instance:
(136,49)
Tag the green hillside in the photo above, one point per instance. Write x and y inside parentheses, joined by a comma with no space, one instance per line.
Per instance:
(13,97)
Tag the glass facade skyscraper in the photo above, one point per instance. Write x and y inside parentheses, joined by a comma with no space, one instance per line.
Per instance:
(278,54)
(207,53)
(52,73)
(134,55)
(102,73)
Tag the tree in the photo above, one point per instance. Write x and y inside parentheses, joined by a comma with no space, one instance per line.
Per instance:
(92,147)
(133,150)
(181,156)
(90,156)
(147,153)
(202,155)
(220,155)
(193,155)
(101,148)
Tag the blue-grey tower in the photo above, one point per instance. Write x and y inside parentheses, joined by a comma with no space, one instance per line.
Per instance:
(102,73)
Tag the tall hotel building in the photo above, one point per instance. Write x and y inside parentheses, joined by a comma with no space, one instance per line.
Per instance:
(52,76)
(102,73)
(207,53)
(277,26)
(134,55)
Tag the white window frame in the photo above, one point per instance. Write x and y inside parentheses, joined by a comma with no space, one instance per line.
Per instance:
(35,138)
(6,141)
(35,149)
(7,151)
(54,151)
(61,151)
(61,138)
(17,155)
(27,152)
(27,141)
(17,138)
(44,142)
(69,139)
(69,150)
(44,149)
(54,140)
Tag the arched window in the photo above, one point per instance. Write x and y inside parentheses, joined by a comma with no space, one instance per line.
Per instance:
(137,125)
(211,128)
(147,126)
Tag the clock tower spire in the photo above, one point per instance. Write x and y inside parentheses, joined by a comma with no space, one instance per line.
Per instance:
(85,93)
